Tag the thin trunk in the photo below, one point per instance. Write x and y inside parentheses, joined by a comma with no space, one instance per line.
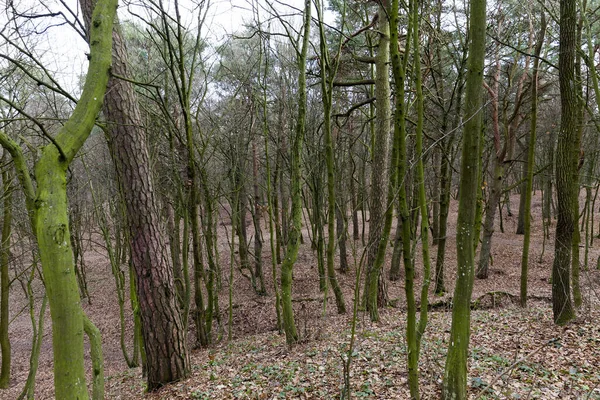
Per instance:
(531,162)
(7,191)
(28,391)
(495,189)
(328,73)
(256,218)
(575,266)
(293,245)
(174,230)
(435,195)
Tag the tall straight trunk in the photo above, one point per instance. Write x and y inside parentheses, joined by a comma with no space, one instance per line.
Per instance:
(276,214)
(284,203)
(435,195)
(531,163)
(209,231)
(174,231)
(203,333)
(446,182)
(377,206)
(242,226)
(7,192)
(575,273)
(318,240)
(522,189)
(256,218)
(479,200)
(328,72)
(162,326)
(342,235)
(397,252)
(414,331)
(293,245)
(353,198)
(567,157)
(445,185)
(455,373)
(272,212)
(592,160)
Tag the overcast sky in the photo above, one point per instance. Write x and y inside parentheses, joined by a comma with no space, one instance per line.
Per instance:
(64,51)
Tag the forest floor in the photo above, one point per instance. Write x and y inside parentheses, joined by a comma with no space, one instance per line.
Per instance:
(515,353)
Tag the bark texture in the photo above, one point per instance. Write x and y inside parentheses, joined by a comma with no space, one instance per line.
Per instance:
(162,327)
(379,180)
(567,157)
(455,374)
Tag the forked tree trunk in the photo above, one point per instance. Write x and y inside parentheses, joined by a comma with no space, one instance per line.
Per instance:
(47,207)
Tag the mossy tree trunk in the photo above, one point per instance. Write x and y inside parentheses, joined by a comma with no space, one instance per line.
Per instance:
(293,245)
(48,209)
(378,231)
(455,374)
(328,73)
(7,193)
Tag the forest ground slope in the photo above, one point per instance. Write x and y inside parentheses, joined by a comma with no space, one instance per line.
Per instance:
(518,351)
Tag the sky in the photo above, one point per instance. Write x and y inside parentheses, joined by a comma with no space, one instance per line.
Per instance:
(63,51)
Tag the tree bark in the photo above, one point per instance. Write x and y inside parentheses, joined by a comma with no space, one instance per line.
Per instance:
(567,157)
(455,374)
(7,192)
(531,162)
(162,326)
(293,245)
(379,179)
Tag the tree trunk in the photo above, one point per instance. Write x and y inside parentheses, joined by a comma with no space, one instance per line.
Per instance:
(162,326)
(7,192)
(455,374)
(495,188)
(47,207)
(342,236)
(174,230)
(575,266)
(567,157)
(256,218)
(531,162)
(397,252)
(445,184)
(293,245)
(328,73)
(378,168)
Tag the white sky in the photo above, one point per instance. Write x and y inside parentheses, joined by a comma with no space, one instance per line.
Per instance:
(64,51)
